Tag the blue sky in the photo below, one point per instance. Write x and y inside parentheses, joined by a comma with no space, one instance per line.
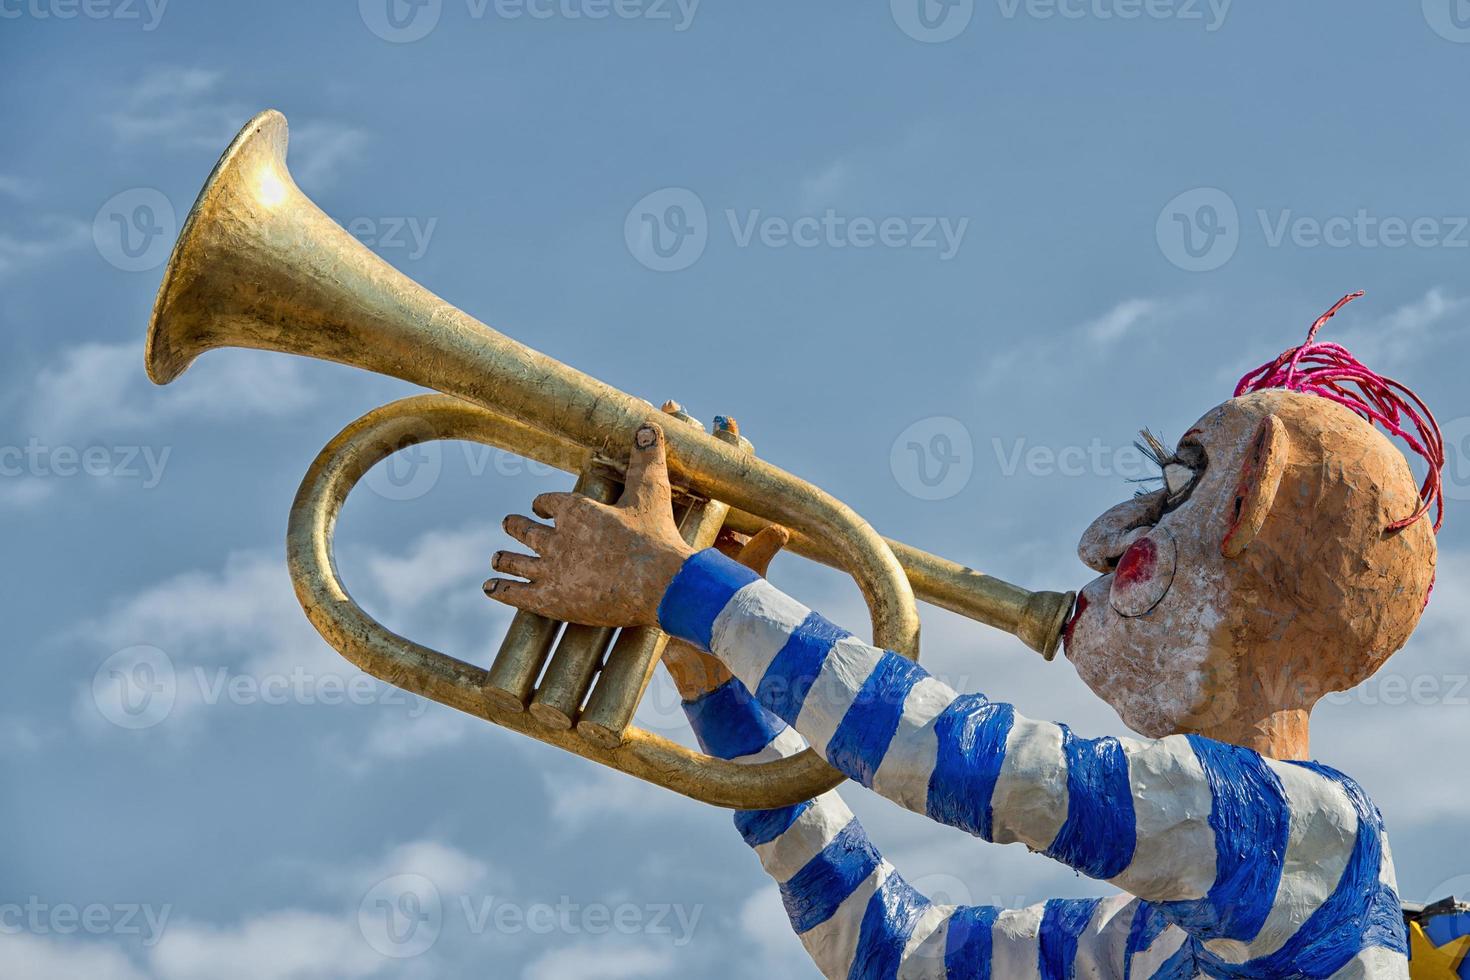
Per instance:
(1009,232)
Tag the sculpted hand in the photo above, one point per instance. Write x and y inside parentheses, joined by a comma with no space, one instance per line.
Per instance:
(602,565)
(694,671)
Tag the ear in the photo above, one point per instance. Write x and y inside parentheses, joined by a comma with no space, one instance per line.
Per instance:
(1260,477)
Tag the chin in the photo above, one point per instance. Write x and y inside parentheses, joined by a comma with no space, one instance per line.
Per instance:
(1153,686)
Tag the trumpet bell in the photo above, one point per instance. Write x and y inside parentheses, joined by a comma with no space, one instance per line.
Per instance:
(258,265)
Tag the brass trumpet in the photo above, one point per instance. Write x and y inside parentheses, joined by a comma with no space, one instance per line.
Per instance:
(258,265)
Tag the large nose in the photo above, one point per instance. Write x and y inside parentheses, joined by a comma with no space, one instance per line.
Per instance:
(1104,542)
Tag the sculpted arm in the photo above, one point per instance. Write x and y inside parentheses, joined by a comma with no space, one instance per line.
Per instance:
(1235,850)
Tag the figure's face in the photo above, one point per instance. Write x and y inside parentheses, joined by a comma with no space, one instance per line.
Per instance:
(1152,635)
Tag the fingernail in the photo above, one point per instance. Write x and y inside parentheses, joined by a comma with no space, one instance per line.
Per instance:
(489,587)
(646,438)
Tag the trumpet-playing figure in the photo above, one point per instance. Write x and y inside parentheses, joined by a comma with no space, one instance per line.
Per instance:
(1288,553)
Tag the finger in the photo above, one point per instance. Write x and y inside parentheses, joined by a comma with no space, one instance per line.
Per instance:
(730,542)
(511,563)
(647,483)
(521,595)
(548,505)
(758,552)
(532,534)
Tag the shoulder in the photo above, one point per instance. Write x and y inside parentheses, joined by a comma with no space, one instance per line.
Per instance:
(1335,896)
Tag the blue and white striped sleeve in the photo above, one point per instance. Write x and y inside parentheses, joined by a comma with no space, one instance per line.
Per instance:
(1263,863)
(858,917)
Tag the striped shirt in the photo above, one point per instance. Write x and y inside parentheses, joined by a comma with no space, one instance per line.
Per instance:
(1233,865)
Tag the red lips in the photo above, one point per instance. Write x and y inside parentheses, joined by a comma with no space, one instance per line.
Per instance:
(1076,615)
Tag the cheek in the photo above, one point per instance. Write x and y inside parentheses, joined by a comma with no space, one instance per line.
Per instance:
(1144,574)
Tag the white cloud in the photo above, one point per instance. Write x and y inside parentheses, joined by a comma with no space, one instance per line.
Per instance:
(53,237)
(1416,702)
(93,388)
(433,563)
(399,736)
(24,491)
(822,188)
(281,944)
(242,625)
(176,106)
(285,945)
(320,148)
(1127,319)
(586,799)
(296,944)
(451,870)
(42,958)
(600,961)
(1406,334)
(246,609)
(20,734)
(1120,321)
(765,925)
(16,187)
